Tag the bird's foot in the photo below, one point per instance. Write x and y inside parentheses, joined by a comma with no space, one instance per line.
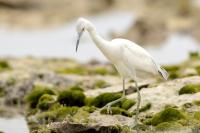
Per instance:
(108,108)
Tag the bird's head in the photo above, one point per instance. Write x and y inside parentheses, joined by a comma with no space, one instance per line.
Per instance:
(82,25)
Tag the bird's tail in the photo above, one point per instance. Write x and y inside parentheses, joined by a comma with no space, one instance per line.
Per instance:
(163,73)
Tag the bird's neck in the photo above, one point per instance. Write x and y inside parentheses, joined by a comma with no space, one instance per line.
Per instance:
(101,43)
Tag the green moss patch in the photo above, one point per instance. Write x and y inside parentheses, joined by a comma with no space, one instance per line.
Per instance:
(4,65)
(190,89)
(196,103)
(71,98)
(45,102)
(194,55)
(74,70)
(173,71)
(105,98)
(58,114)
(127,103)
(100,71)
(2,92)
(167,126)
(198,69)
(197,115)
(145,107)
(33,97)
(117,110)
(100,84)
(167,115)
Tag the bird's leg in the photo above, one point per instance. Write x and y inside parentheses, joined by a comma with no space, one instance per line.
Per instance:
(109,111)
(138,104)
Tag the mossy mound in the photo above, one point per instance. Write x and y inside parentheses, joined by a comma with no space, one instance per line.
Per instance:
(194,55)
(197,115)
(2,92)
(74,70)
(100,84)
(76,88)
(56,114)
(167,126)
(105,98)
(190,89)
(45,102)
(173,71)
(33,97)
(127,103)
(167,115)
(117,110)
(100,71)
(145,107)
(4,65)
(198,69)
(71,98)
(196,103)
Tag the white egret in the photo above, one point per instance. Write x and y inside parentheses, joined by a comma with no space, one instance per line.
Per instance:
(130,60)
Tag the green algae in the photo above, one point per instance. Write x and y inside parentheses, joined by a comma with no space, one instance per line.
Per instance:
(45,102)
(189,89)
(127,103)
(2,92)
(117,110)
(33,97)
(194,55)
(196,102)
(145,107)
(167,126)
(57,114)
(167,115)
(71,98)
(76,88)
(4,65)
(100,84)
(105,98)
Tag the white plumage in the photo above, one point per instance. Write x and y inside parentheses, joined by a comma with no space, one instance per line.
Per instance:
(130,60)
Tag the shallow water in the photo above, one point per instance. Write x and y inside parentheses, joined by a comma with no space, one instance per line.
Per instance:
(13,125)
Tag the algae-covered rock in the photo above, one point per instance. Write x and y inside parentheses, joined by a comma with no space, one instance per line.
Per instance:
(117,110)
(33,97)
(4,65)
(127,103)
(196,103)
(100,84)
(190,89)
(145,107)
(76,88)
(167,115)
(2,92)
(71,98)
(105,98)
(56,114)
(45,101)
(167,126)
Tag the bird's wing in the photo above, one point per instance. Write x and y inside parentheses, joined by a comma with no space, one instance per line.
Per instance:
(139,60)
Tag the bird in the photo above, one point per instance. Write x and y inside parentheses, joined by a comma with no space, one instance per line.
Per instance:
(130,60)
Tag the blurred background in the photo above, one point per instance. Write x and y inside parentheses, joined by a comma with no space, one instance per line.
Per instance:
(168,29)
(33,30)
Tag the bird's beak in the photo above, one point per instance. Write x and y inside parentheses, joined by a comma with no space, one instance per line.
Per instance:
(78,39)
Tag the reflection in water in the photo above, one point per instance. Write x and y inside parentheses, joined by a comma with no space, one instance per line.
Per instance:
(14,125)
